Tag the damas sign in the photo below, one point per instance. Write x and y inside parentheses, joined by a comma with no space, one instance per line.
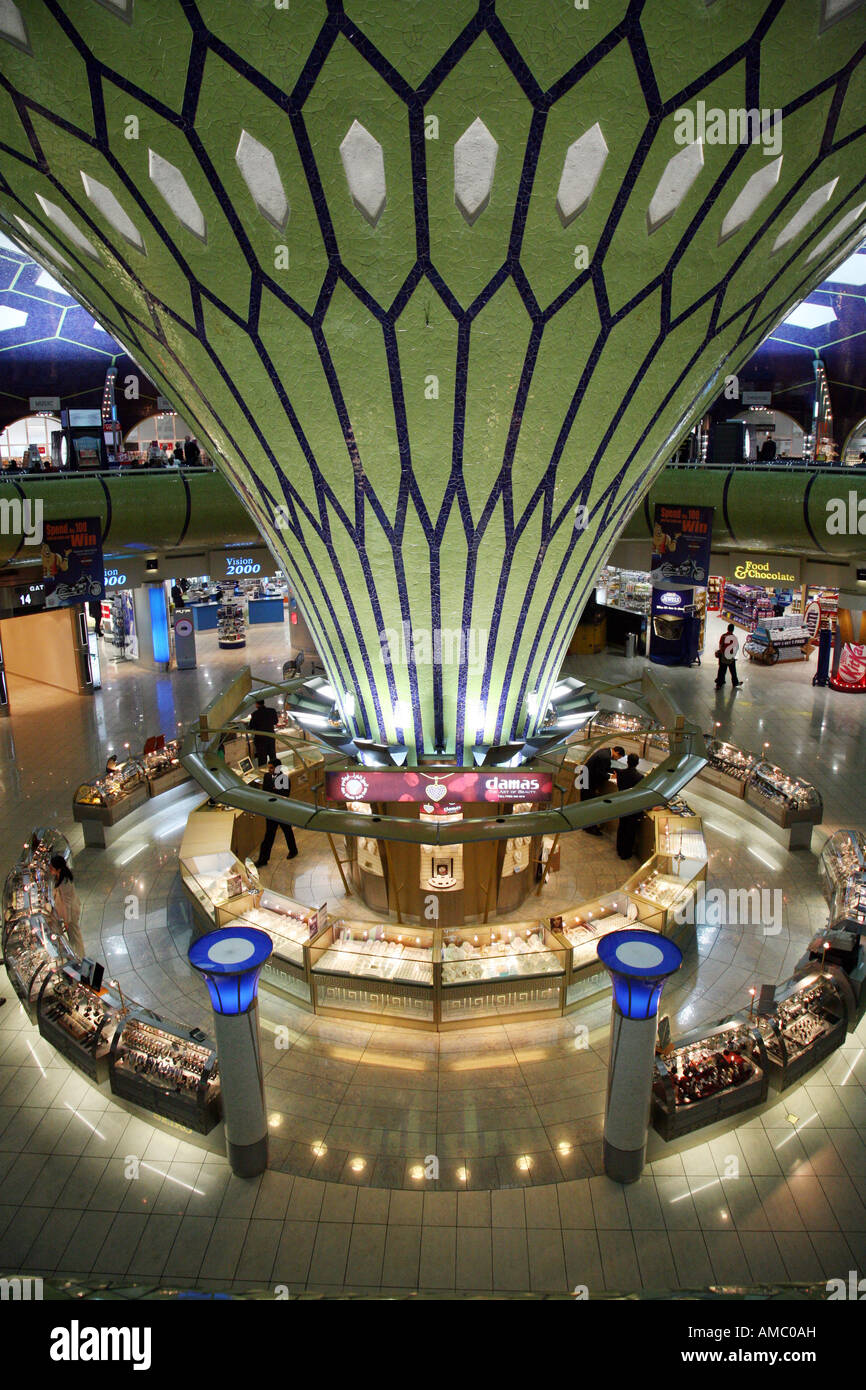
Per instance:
(461,786)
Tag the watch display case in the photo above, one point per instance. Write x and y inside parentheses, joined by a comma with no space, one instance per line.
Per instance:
(785,799)
(162,766)
(664,889)
(708,1076)
(30,949)
(110,798)
(231,626)
(843,878)
(161,1067)
(808,1022)
(728,767)
(78,1021)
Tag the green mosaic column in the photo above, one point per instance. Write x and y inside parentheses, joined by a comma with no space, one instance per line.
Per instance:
(440,286)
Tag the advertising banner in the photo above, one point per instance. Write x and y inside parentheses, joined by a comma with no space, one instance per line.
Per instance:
(72,564)
(461,786)
(682,536)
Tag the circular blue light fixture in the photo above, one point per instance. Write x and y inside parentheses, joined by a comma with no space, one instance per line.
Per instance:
(639,962)
(231,962)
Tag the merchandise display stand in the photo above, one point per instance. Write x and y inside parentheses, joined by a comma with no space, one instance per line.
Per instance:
(231,628)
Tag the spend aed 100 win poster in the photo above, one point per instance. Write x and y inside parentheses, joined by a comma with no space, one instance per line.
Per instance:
(682,536)
(72,561)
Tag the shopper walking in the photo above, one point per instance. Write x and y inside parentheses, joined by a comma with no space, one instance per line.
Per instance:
(274,781)
(94,608)
(263,720)
(67,908)
(597,767)
(626,831)
(726,656)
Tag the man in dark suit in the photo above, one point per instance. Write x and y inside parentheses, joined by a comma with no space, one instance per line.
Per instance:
(598,775)
(263,720)
(275,781)
(626,831)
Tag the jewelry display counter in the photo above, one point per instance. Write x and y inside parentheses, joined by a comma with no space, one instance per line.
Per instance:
(843,877)
(784,798)
(78,1021)
(107,802)
(708,1076)
(214,881)
(163,1068)
(374,968)
(31,949)
(501,974)
(290,925)
(809,1020)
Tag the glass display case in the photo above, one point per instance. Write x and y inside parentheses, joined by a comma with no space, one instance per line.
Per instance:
(108,799)
(369,968)
(782,797)
(664,889)
(709,1075)
(843,878)
(30,949)
(166,1069)
(808,1021)
(489,974)
(215,881)
(162,766)
(632,727)
(583,928)
(728,767)
(78,1021)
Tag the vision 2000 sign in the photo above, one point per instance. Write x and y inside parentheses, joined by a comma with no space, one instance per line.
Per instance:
(460,787)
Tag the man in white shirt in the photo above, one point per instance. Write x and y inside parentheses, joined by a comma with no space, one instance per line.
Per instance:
(727,654)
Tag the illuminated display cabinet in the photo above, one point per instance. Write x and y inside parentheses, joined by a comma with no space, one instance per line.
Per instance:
(164,1068)
(709,1075)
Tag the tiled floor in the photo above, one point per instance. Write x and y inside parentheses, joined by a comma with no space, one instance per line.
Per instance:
(512,1114)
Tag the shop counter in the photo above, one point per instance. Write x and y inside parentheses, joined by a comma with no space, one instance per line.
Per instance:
(265,610)
(808,1020)
(166,1069)
(709,1075)
(78,1021)
(204,616)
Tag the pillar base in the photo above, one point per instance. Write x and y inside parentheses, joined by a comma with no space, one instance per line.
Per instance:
(248,1160)
(623,1165)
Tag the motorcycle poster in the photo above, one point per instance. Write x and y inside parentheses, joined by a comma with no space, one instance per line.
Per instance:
(72,563)
(681,546)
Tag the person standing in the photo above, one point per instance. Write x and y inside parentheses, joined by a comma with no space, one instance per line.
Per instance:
(263,720)
(274,781)
(67,907)
(626,831)
(191,452)
(726,656)
(94,608)
(598,766)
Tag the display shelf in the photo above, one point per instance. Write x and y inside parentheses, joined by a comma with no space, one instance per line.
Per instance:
(781,796)
(162,1068)
(231,628)
(809,1021)
(842,866)
(32,947)
(744,605)
(78,1022)
(374,969)
(162,766)
(214,881)
(709,1075)
(112,797)
(507,952)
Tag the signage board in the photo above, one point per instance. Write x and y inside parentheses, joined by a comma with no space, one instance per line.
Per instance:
(72,566)
(460,786)
(764,569)
(184,639)
(38,403)
(246,562)
(163,403)
(756,397)
(681,546)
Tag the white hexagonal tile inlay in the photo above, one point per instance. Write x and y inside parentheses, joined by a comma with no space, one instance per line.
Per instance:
(364,167)
(262,178)
(177,193)
(474,166)
(680,173)
(584,161)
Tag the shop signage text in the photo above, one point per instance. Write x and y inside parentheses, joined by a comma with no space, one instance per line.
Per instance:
(44,403)
(460,786)
(763,574)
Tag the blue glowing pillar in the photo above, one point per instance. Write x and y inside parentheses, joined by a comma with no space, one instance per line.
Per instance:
(231,961)
(639,962)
